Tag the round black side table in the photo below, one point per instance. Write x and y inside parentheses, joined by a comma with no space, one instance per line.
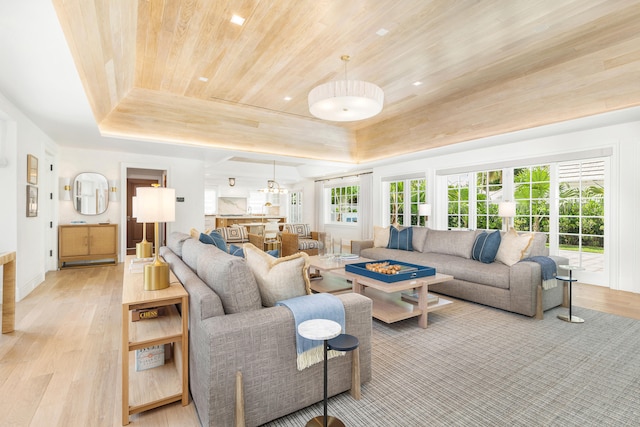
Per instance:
(346,342)
(569,281)
(322,330)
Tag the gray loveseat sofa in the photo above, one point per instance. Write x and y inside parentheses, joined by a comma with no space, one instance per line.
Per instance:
(228,334)
(516,288)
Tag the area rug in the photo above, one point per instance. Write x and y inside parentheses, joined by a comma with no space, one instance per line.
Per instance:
(478,366)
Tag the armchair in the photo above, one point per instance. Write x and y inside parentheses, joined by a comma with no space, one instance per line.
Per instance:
(234,234)
(271,246)
(299,238)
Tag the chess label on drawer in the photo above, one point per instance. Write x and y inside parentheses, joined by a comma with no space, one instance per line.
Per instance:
(148,313)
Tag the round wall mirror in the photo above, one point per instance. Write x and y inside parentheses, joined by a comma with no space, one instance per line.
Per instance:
(90,193)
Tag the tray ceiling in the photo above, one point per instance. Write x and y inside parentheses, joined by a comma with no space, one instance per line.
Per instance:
(181,72)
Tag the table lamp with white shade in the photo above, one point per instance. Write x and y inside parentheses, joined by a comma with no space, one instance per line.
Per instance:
(156,204)
(424,209)
(506,210)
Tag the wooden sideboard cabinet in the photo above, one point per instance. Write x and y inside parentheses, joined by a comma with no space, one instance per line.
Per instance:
(87,242)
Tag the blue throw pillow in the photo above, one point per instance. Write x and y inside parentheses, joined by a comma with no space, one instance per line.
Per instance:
(206,239)
(486,246)
(214,238)
(237,251)
(400,239)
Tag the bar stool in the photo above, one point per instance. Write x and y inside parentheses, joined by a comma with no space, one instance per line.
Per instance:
(346,342)
(568,282)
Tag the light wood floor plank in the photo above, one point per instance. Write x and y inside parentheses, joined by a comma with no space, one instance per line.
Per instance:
(61,366)
(599,298)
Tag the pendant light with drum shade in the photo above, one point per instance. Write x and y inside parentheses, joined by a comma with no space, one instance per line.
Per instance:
(345,100)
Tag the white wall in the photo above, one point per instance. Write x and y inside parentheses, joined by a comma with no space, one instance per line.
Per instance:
(308,201)
(186,176)
(27,236)
(19,233)
(8,187)
(74,161)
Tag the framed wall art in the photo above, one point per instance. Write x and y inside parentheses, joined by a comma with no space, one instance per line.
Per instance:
(32,169)
(32,200)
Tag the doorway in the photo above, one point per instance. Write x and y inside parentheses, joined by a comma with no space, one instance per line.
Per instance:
(135,229)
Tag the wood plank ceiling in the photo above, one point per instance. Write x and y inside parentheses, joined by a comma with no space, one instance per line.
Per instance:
(486,67)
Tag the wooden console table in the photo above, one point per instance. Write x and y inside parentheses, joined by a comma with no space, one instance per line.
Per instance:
(151,388)
(8,261)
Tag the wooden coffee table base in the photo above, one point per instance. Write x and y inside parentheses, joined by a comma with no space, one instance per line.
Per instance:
(388,304)
(331,283)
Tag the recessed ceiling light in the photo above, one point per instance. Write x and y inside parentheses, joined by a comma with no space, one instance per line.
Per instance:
(287,98)
(203,79)
(238,20)
(417,83)
(382,32)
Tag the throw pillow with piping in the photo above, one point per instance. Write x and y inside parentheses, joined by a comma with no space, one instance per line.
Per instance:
(485,247)
(214,238)
(513,247)
(401,239)
(278,278)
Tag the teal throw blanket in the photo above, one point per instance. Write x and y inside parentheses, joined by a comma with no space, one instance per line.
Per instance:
(548,270)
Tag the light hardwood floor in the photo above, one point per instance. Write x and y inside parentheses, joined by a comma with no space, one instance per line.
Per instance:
(626,304)
(61,366)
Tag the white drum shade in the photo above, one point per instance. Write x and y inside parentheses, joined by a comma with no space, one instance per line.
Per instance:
(345,100)
(155,204)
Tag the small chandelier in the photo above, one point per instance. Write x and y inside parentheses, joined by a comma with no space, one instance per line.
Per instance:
(272,185)
(345,100)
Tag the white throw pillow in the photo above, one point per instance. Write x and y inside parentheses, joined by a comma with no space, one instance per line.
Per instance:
(380,236)
(513,247)
(278,278)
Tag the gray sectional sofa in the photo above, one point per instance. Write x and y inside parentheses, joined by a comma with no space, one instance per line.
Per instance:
(516,288)
(229,334)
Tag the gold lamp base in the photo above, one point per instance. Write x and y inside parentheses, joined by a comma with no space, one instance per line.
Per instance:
(156,275)
(143,249)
